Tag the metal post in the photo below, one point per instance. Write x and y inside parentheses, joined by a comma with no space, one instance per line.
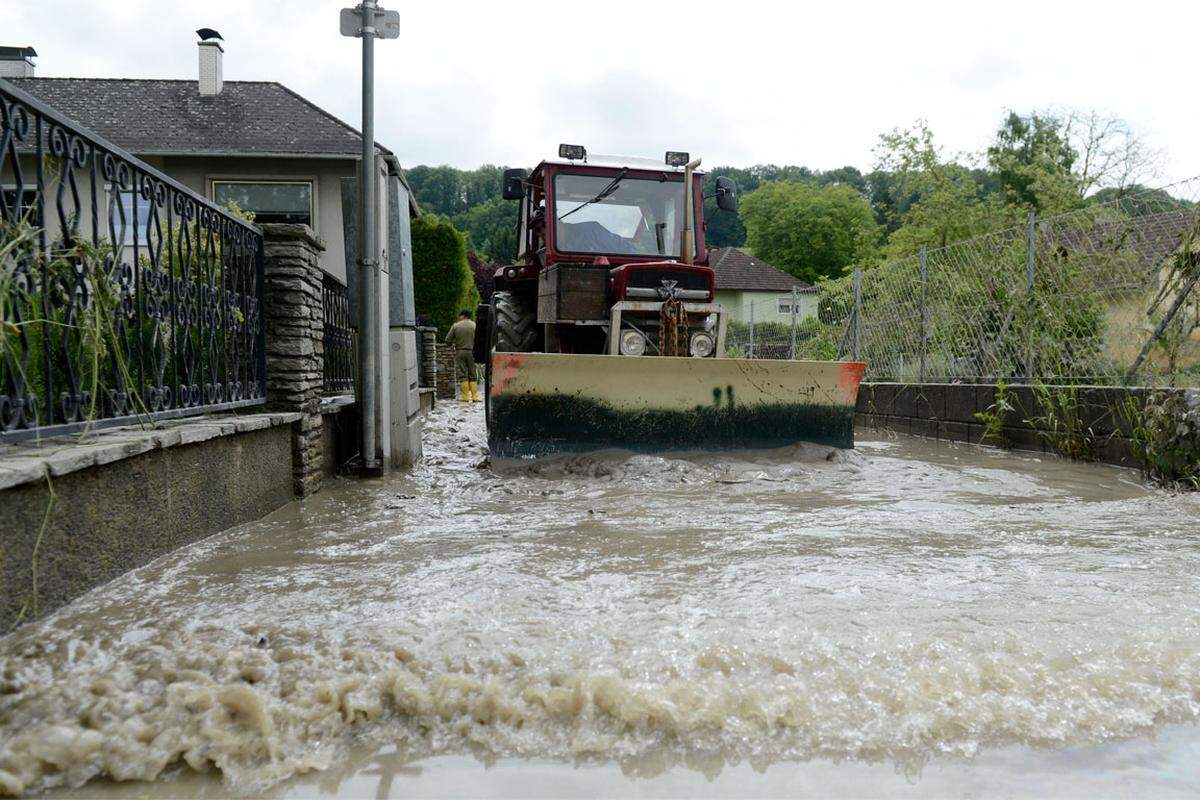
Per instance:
(857,313)
(924,313)
(1029,234)
(687,245)
(366,252)
(751,329)
(792,352)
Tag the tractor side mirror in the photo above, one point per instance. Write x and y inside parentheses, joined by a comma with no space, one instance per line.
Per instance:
(514,184)
(727,194)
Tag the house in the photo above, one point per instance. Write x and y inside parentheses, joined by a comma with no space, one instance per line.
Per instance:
(751,289)
(254,143)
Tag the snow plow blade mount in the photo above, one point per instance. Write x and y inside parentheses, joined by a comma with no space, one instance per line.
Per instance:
(546,403)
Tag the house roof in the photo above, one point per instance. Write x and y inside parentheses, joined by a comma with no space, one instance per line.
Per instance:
(169,117)
(738,271)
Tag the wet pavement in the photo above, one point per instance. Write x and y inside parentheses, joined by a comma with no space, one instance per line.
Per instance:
(908,618)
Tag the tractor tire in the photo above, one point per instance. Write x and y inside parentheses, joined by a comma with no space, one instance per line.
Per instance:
(515,321)
(511,328)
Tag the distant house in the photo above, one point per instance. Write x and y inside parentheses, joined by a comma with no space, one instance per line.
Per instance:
(745,283)
(254,143)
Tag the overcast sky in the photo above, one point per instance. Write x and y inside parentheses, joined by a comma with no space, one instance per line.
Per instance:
(737,82)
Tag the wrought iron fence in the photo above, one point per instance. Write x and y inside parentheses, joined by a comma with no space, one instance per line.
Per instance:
(339,337)
(124,295)
(1108,294)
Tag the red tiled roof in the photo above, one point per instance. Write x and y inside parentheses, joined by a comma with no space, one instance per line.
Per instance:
(737,271)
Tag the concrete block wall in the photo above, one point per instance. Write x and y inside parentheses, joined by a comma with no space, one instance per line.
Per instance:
(947,411)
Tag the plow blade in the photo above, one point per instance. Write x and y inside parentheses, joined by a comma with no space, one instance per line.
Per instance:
(545,403)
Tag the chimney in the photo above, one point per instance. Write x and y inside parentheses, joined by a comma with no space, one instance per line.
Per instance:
(16,62)
(210,62)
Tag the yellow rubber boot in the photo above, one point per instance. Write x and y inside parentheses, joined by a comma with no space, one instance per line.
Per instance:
(465,398)
(474,391)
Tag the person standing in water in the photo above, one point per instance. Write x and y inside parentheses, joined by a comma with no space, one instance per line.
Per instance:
(462,336)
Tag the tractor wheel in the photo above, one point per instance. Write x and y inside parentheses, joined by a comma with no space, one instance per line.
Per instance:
(515,320)
(512,328)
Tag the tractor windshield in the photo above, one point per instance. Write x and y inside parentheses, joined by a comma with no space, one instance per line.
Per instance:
(639,217)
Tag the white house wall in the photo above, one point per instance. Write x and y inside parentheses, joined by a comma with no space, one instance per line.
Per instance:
(198,173)
(766,305)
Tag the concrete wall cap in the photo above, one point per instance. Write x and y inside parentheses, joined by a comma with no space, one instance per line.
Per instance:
(286,231)
(29,461)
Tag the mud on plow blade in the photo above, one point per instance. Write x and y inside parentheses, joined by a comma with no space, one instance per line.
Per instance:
(546,403)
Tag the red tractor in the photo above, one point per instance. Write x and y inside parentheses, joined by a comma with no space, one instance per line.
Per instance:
(605,332)
(602,243)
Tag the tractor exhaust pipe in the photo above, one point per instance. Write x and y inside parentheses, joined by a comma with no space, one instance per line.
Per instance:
(687,245)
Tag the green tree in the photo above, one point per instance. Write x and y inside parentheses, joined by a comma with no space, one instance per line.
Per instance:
(1033,160)
(927,198)
(443,283)
(491,229)
(1139,201)
(808,230)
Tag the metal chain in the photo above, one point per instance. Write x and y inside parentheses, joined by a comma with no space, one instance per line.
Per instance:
(673,329)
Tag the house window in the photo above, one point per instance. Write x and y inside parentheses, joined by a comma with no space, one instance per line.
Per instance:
(270,201)
(23,206)
(130,214)
(785,305)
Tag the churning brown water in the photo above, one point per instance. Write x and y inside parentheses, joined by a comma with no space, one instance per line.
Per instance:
(908,618)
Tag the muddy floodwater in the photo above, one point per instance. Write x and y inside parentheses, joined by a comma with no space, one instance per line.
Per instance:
(909,618)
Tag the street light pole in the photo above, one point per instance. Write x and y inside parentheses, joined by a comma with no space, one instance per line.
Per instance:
(368,21)
(368,264)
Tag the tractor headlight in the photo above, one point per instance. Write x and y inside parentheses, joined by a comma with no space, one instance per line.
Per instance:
(702,345)
(632,343)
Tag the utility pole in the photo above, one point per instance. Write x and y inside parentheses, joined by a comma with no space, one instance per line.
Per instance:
(368,22)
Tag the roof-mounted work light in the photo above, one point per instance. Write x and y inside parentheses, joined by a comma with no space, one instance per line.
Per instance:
(575,152)
(677,159)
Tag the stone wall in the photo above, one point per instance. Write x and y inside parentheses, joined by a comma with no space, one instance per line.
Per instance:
(76,512)
(295,319)
(947,411)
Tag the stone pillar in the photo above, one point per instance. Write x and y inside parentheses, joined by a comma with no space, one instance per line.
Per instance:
(444,379)
(295,319)
(428,356)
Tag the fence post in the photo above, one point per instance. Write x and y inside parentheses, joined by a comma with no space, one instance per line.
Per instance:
(857,313)
(792,352)
(924,313)
(1029,234)
(751,329)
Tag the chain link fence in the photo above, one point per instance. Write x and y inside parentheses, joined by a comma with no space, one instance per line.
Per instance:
(1105,295)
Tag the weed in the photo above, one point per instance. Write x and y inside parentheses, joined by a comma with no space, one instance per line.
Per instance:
(1060,426)
(1165,433)
(993,418)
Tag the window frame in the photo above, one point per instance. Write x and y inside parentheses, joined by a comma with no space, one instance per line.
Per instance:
(310,180)
(132,229)
(26,189)
(553,221)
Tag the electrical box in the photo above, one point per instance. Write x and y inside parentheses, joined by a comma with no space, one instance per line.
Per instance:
(573,293)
